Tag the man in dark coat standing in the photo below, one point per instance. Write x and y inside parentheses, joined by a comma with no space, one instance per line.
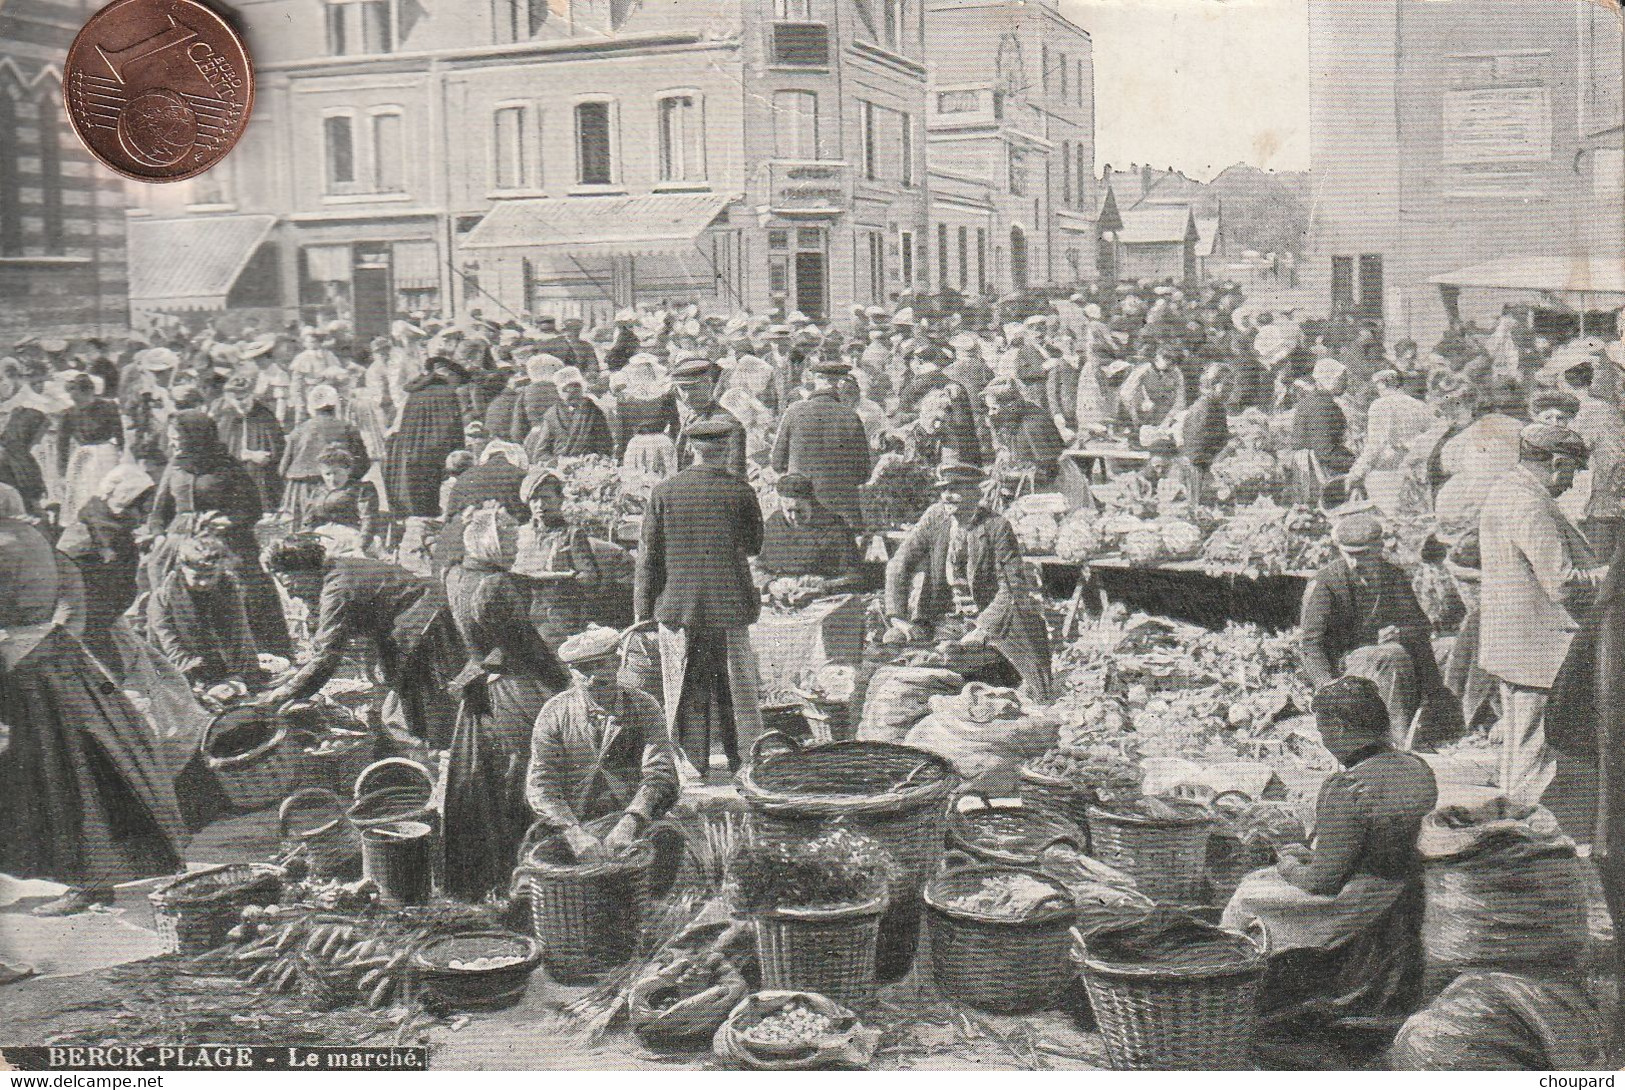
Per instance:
(554,343)
(1205,431)
(700,529)
(431,427)
(1319,426)
(696,382)
(253,435)
(823,440)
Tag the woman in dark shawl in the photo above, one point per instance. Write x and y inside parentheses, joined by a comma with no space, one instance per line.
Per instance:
(202,477)
(18,466)
(103,545)
(431,427)
(83,798)
(511,673)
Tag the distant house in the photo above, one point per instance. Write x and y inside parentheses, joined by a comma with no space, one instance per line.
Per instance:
(1159,224)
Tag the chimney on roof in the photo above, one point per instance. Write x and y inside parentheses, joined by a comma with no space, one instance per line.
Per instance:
(1145,178)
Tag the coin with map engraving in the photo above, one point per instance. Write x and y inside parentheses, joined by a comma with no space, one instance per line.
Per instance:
(158,90)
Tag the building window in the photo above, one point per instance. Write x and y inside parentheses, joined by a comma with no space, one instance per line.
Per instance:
(518,20)
(682,138)
(50,166)
(981,260)
(1083,192)
(388,153)
(795,124)
(1066,172)
(794,10)
(906,252)
(11,214)
(1018,173)
(907,122)
(508,142)
(1064,66)
(338,132)
(894,24)
(801,45)
(877,267)
(866,125)
(1077,81)
(778,276)
(594,162)
(360,26)
(964,258)
(942,255)
(1043,69)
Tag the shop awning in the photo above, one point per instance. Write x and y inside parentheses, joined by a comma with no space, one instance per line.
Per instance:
(1587,274)
(191,264)
(656,223)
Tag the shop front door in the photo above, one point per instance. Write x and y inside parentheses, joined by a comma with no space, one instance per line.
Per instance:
(371,293)
(812,297)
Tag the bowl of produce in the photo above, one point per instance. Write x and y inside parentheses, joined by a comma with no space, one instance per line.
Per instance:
(475,970)
(794,1029)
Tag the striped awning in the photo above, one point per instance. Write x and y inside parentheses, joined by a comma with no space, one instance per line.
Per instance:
(655,223)
(191,264)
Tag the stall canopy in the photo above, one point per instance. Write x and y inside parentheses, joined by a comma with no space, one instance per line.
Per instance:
(1587,274)
(578,227)
(191,264)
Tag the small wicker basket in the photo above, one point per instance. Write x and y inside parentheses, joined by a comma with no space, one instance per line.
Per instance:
(830,951)
(589,917)
(244,748)
(193,913)
(1004,965)
(311,823)
(444,988)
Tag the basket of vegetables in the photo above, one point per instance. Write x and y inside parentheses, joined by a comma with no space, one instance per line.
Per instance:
(1013,833)
(999,936)
(195,913)
(1172,993)
(1067,782)
(476,970)
(244,748)
(896,794)
(793,1031)
(683,1001)
(1159,842)
(588,915)
(816,906)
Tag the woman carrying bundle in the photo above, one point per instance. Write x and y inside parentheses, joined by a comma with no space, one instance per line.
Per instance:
(1344,916)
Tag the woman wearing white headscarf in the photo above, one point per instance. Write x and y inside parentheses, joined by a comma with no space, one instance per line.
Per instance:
(511,673)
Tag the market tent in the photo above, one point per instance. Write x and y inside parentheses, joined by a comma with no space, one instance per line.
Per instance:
(191,264)
(656,223)
(1583,274)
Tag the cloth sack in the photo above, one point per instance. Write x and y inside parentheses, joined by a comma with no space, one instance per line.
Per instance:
(849,1044)
(983,731)
(1492,1021)
(899,697)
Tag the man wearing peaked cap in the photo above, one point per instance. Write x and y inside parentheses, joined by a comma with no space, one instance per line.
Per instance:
(1539,579)
(1360,618)
(823,439)
(976,586)
(700,529)
(697,404)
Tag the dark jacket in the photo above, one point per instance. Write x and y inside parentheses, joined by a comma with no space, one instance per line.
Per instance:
(821,545)
(1026,435)
(1318,425)
(431,428)
(1367,820)
(498,479)
(257,428)
(1205,432)
(823,440)
(571,433)
(1342,613)
(699,529)
(203,634)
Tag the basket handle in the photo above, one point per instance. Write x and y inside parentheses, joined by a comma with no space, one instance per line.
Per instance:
(1263,936)
(291,803)
(780,741)
(1059,840)
(915,771)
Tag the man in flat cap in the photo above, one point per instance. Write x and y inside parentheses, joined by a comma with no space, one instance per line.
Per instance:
(700,529)
(976,585)
(1539,576)
(822,439)
(253,435)
(1361,618)
(696,383)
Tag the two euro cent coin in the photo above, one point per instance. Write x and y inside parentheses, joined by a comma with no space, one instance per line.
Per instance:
(158,90)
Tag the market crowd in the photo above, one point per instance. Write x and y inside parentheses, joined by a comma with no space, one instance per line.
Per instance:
(192,518)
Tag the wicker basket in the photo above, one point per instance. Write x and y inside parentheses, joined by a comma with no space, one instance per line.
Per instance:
(337,767)
(443,988)
(894,794)
(243,748)
(1008,966)
(311,824)
(1060,797)
(193,913)
(829,951)
(1015,835)
(394,789)
(1166,857)
(1155,1019)
(589,917)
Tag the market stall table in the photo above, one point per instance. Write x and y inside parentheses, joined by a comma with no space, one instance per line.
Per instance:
(1184,589)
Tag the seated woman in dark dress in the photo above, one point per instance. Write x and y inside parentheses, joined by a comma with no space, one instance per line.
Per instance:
(806,540)
(1344,915)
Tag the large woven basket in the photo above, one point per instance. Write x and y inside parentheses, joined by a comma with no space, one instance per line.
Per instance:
(1061,797)
(1155,1019)
(1013,834)
(244,748)
(895,794)
(312,824)
(829,951)
(194,912)
(1166,857)
(998,964)
(589,917)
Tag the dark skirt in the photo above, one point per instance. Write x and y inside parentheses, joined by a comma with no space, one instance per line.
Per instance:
(83,799)
(486,814)
(110,588)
